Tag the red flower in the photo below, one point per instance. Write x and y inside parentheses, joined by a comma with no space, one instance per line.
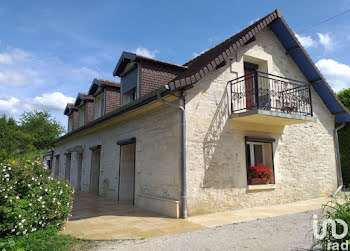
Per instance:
(260,171)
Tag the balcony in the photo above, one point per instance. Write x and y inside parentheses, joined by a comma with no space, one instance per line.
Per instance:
(266,99)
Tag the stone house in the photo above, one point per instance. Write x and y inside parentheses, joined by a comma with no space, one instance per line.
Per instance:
(250,122)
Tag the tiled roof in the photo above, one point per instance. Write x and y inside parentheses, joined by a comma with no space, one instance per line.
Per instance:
(69,108)
(81,97)
(127,57)
(101,82)
(108,82)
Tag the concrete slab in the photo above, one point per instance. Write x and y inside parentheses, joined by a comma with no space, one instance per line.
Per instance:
(96,218)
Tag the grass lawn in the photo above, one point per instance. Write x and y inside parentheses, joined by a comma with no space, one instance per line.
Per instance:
(47,239)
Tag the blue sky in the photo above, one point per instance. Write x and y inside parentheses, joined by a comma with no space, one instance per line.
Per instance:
(51,50)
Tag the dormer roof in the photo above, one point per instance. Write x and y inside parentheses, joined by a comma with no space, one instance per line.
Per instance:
(82,97)
(69,109)
(101,83)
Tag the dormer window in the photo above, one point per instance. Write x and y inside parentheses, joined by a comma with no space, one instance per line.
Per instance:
(99,106)
(82,115)
(106,95)
(129,96)
(70,123)
(72,112)
(129,82)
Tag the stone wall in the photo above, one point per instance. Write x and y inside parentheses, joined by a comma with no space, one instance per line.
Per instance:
(304,154)
(157,130)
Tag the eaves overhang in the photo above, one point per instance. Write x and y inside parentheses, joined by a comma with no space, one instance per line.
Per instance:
(309,69)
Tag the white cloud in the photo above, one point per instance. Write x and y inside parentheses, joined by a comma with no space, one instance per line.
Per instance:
(53,102)
(50,101)
(14,78)
(9,106)
(306,41)
(326,41)
(336,74)
(145,52)
(13,55)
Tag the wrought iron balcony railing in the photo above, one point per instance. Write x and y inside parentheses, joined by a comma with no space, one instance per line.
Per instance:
(260,90)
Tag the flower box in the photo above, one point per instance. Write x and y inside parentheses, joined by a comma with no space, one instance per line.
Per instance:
(260,174)
(258,181)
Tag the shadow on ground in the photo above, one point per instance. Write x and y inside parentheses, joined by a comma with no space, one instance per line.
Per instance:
(87,205)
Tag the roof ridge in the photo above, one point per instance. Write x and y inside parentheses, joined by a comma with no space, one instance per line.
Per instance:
(106,80)
(160,61)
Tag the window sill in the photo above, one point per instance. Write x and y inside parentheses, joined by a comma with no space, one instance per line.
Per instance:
(261,187)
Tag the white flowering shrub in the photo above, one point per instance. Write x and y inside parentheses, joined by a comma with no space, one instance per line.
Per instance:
(31,199)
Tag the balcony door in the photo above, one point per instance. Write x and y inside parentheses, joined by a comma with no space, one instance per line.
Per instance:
(249,73)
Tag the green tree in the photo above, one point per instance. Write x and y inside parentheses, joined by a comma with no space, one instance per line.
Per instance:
(41,126)
(344,96)
(28,138)
(344,139)
(13,141)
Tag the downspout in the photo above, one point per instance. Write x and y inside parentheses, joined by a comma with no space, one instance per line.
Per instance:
(183,149)
(340,176)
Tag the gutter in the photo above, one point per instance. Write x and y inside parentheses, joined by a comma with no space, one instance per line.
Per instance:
(340,176)
(183,148)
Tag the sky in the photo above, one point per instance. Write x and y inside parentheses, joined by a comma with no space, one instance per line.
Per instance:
(52,50)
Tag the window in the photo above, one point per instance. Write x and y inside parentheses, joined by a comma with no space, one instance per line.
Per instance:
(57,165)
(82,112)
(99,106)
(129,96)
(130,82)
(70,123)
(259,156)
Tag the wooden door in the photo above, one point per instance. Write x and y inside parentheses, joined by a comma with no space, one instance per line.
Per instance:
(249,87)
(95,171)
(127,173)
(80,168)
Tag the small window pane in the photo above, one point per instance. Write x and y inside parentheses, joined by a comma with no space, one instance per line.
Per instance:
(260,163)
(249,161)
(258,154)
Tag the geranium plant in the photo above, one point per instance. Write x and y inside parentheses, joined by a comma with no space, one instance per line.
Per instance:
(260,172)
(31,199)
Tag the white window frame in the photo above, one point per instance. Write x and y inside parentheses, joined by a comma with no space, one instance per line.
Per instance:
(252,154)
(82,111)
(70,123)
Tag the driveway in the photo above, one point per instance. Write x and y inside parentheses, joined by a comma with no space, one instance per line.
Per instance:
(97,218)
(287,232)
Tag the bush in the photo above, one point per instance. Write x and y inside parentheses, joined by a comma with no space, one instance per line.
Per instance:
(333,210)
(46,239)
(31,199)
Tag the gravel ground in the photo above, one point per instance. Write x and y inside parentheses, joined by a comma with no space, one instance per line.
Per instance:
(288,232)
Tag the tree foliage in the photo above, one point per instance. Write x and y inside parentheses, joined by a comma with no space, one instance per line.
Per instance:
(41,126)
(29,136)
(344,96)
(344,139)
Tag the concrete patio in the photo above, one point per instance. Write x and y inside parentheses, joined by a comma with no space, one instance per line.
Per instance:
(96,218)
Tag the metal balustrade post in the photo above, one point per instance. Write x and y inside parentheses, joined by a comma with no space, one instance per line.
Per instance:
(311,112)
(231,97)
(256,84)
